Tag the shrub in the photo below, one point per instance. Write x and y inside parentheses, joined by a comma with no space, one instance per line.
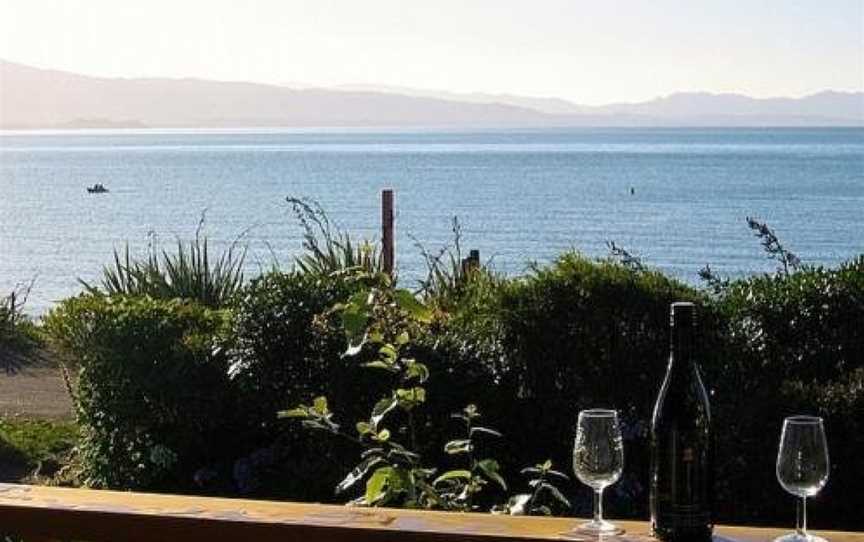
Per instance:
(383,321)
(287,351)
(328,249)
(152,398)
(577,334)
(529,352)
(795,345)
(37,447)
(190,273)
(282,351)
(17,331)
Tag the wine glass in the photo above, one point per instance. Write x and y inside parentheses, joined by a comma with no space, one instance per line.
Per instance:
(598,459)
(802,467)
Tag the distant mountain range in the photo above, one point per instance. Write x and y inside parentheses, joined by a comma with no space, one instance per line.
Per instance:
(37,98)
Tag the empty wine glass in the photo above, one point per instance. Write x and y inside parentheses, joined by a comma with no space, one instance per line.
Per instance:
(802,467)
(598,459)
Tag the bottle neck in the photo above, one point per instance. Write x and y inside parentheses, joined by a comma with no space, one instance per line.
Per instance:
(682,348)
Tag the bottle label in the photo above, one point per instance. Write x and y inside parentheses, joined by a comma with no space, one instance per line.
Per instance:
(681,485)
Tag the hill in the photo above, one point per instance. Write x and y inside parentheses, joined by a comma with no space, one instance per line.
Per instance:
(39,98)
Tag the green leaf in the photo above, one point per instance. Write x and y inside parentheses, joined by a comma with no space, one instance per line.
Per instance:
(372,452)
(416,370)
(422,474)
(299,412)
(353,349)
(542,509)
(485,430)
(451,475)
(378,364)
(556,493)
(382,436)
(408,303)
(402,339)
(410,398)
(376,484)
(490,468)
(314,424)
(381,409)
(320,405)
(360,301)
(559,474)
(357,474)
(402,480)
(363,428)
(400,452)
(388,353)
(459,446)
(516,504)
(354,323)
(471,411)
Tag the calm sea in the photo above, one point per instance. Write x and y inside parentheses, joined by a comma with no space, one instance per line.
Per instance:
(521,196)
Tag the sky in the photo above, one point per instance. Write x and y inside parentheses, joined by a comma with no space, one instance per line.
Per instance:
(591,52)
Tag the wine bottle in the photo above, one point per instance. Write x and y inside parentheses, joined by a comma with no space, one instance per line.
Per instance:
(682,444)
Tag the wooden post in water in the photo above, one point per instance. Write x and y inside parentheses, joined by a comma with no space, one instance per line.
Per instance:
(387,242)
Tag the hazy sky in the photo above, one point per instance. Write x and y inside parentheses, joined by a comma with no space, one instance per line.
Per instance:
(588,51)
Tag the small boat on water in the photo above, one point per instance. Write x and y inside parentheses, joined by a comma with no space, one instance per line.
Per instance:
(97,188)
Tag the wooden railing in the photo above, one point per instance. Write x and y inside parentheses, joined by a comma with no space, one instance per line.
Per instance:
(43,513)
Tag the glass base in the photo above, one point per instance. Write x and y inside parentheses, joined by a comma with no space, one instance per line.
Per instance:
(598,528)
(798,537)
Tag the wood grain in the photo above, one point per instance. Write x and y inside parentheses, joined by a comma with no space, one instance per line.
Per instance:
(111,516)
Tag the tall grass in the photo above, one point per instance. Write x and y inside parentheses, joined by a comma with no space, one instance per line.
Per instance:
(188,273)
(450,277)
(12,307)
(329,250)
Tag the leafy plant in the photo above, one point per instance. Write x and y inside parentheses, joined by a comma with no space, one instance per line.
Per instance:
(188,273)
(458,487)
(449,276)
(152,395)
(789,262)
(16,329)
(328,249)
(12,305)
(715,282)
(544,498)
(625,257)
(381,318)
(39,446)
(772,245)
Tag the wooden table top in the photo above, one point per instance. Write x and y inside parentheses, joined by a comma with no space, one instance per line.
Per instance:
(44,513)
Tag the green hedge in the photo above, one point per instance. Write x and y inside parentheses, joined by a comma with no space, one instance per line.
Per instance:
(287,351)
(152,391)
(584,334)
(529,351)
(795,344)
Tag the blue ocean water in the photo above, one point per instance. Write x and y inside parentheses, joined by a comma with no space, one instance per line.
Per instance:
(520,196)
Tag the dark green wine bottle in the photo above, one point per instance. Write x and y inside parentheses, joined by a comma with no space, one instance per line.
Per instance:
(682,444)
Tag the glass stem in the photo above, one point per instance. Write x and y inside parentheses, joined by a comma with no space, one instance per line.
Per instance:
(598,505)
(802,529)
(801,517)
